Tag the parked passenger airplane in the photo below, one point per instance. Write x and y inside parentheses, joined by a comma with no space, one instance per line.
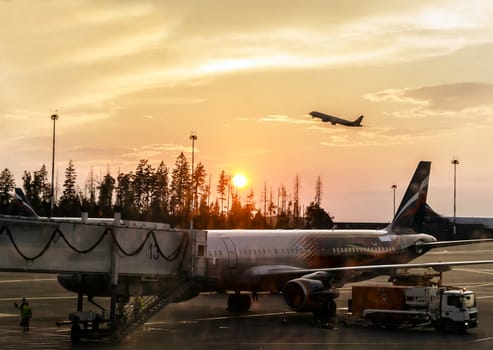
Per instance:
(307,266)
(335,120)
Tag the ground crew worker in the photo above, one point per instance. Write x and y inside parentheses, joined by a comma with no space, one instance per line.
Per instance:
(138,305)
(26,316)
(17,306)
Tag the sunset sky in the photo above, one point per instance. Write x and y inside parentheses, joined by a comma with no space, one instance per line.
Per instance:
(130,80)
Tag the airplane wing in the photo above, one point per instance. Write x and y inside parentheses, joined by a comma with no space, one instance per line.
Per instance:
(445,244)
(265,271)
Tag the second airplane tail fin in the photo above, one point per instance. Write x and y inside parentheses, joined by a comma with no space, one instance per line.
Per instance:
(26,208)
(357,122)
(409,216)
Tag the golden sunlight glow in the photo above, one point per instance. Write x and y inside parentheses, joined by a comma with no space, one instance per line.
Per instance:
(239,180)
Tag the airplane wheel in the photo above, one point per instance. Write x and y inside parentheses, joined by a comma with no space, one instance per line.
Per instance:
(239,302)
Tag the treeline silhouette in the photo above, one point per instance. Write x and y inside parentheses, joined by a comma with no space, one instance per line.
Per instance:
(162,194)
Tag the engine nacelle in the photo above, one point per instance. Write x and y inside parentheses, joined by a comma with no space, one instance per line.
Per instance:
(304,294)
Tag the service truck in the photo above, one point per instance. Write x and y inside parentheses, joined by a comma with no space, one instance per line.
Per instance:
(446,309)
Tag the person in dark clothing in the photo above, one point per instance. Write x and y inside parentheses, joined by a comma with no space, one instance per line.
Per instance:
(20,306)
(26,314)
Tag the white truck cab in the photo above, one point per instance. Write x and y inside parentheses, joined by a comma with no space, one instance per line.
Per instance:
(458,309)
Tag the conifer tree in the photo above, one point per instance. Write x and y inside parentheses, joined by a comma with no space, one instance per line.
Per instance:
(7,185)
(180,189)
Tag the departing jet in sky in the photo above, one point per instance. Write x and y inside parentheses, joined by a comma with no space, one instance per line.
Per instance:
(335,120)
(306,266)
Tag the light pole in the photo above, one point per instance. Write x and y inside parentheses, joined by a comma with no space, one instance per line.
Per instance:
(193,137)
(455,162)
(393,190)
(53,117)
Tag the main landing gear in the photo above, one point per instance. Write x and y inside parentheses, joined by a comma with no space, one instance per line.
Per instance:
(325,315)
(239,302)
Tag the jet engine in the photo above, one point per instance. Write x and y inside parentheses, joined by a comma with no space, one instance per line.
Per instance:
(307,294)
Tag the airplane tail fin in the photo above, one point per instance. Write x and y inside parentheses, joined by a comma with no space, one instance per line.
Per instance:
(26,208)
(357,122)
(409,216)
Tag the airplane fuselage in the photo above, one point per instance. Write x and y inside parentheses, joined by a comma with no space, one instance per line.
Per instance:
(335,120)
(239,260)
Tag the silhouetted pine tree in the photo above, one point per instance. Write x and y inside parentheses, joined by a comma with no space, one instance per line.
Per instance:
(7,185)
(106,188)
(70,202)
(180,191)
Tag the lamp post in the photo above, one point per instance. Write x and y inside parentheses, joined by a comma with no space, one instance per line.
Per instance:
(53,117)
(455,162)
(393,190)
(193,137)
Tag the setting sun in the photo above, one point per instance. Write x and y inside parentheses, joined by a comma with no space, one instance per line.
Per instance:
(239,180)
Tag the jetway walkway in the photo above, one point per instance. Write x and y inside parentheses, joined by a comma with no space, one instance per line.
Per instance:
(108,257)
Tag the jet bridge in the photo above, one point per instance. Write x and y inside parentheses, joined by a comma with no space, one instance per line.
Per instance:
(108,258)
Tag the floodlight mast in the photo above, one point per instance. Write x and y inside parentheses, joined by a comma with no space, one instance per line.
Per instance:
(193,137)
(53,117)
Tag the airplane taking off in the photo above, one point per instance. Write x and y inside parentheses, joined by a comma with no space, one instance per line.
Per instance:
(335,120)
(307,266)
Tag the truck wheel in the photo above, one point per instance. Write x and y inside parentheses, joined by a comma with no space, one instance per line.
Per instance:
(75,333)
(445,326)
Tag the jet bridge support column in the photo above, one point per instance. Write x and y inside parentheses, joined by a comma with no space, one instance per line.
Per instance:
(114,270)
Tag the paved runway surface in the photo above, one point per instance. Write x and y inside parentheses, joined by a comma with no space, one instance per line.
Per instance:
(204,323)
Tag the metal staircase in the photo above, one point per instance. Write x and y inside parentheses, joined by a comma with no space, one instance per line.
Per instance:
(136,314)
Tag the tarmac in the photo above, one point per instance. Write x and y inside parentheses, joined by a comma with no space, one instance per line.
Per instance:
(204,322)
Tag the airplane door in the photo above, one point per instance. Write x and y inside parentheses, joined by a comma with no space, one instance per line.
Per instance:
(231,249)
